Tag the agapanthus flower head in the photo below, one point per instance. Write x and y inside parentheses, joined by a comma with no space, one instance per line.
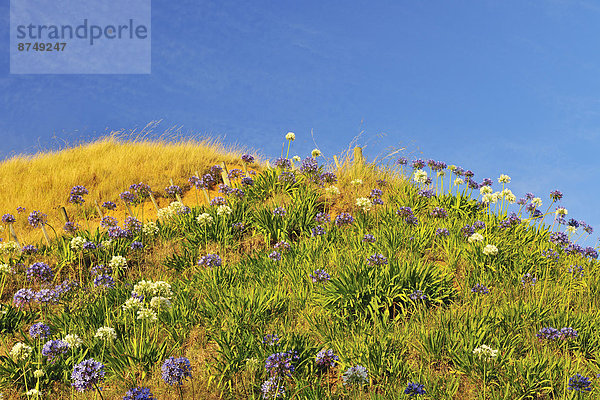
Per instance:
(320,276)
(210,260)
(344,219)
(368,238)
(417,295)
(270,339)
(404,211)
(402,161)
(175,370)
(427,193)
(216,170)
(29,249)
(318,231)
(89,246)
(275,255)
(528,280)
(556,195)
(173,190)
(87,375)
(475,237)
(442,232)
(21,209)
(71,227)
(106,333)
(108,222)
(20,351)
(411,220)
(480,289)
(282,245)
(8,218)
(568,333)
(39,272)
(328,178)
(283,163)
(438,212)
(39,331)
(356,375)
(580,383)
(128,197)
(322,217)
(377,259)
(279,211)
(208,180)
(486,353)
(420,176)
(273,388)
(135,245)
(326,359)
(54,348)
(218,201)
(504,179)
(280,364)
(76,199)
(73,340)
(415,389)
(247,181)
(47,296)
(418,163)
(117,262)
(224,210)
(309,166)
(247,158)
(576,270)
(37,218)
(105,281)
(235,173)
(139,393)
(109,205)
(364,203)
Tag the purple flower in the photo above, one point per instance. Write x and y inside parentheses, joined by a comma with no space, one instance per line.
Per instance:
(54,348)
(328,177)
(176,370)
(273,388)
(116,232)
(368,238)
(427,193)
(320,276)
(101,269)
(467,230)
(376,193)
(173,190)
(438,212)
(39,272)
(275,255)
(71,227)
(280,364)
(580,383)
(377,259)
(480,289)
(8,218)
(555,195)
(87,375)
(344,219)
(210,260)
(89,246)
(29,249)
(322,217)
(318,231)
(139,393)
(37,218)
(225,189)
(442,232)
(287,177)
(270,339)
(21,209)
(141,190)
(411,220)
(235,173)
(132,224)
(218,201)
(402,161)
(76,199)
(247,181)
(78,190)
(548,333)
(109,205)
(309,166)
(283,163)
(216,170)
(105,281)
(486,182)
(414,389)
(404,211)
(128,197)
(247,158)
(108,221)
(417,295)
(279,211)
(47,296)
(39,331)
(137,245)
(23,297)
(418,163)
(283,245)
(326,359)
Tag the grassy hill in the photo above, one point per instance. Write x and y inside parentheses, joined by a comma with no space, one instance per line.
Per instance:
(298,280)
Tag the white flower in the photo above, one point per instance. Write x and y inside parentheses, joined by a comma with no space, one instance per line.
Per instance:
(160,303)
(357,375)
(1,228)
(458,181)
(537,202)
(118,262)
(290,136)
(177,207)
(149,289)
(485,190)
(38,373)
(561,211)
(106,333)
(357,182)
(5,269)
(486,198)
(146,314)
(9,247)
(204,219)
(164,213)
(485,353)
(420,176)
(315,153)
(33,392)
(490,250)
(73,340)
(77,243)
(106,243)
(150,228)
(224,210)
(132,304)
(20,351)
(511,198)
(476,237)
(332,190)
(504,179)
(493,198)
(571,229)
(364,203)
(296,158)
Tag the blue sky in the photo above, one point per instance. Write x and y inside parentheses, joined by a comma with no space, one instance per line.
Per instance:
(494,86)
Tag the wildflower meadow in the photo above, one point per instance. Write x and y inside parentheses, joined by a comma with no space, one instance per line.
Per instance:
(303,277)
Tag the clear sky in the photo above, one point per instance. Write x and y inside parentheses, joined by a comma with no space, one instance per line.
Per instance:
(494,86)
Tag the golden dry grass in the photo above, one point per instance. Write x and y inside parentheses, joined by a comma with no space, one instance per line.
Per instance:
(106,167)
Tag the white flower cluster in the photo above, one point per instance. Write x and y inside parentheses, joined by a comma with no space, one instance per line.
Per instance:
(490,250)
(38,373)
(290,136)
(73,340)
(296,158)
(332,190)
(504,179)
(150,289)
(224,210)
(561,211)
(106,243)
(356,182)
(420,176)
(77,243)
(106,333)
(460,181)
(20,351)
(364,203)
(204,219)
(8,247)
(158,292)
(173,209)
(537,202)
(118,262)
(5,269)
(315,153)
(150,228)
(476,237)
(485,353)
